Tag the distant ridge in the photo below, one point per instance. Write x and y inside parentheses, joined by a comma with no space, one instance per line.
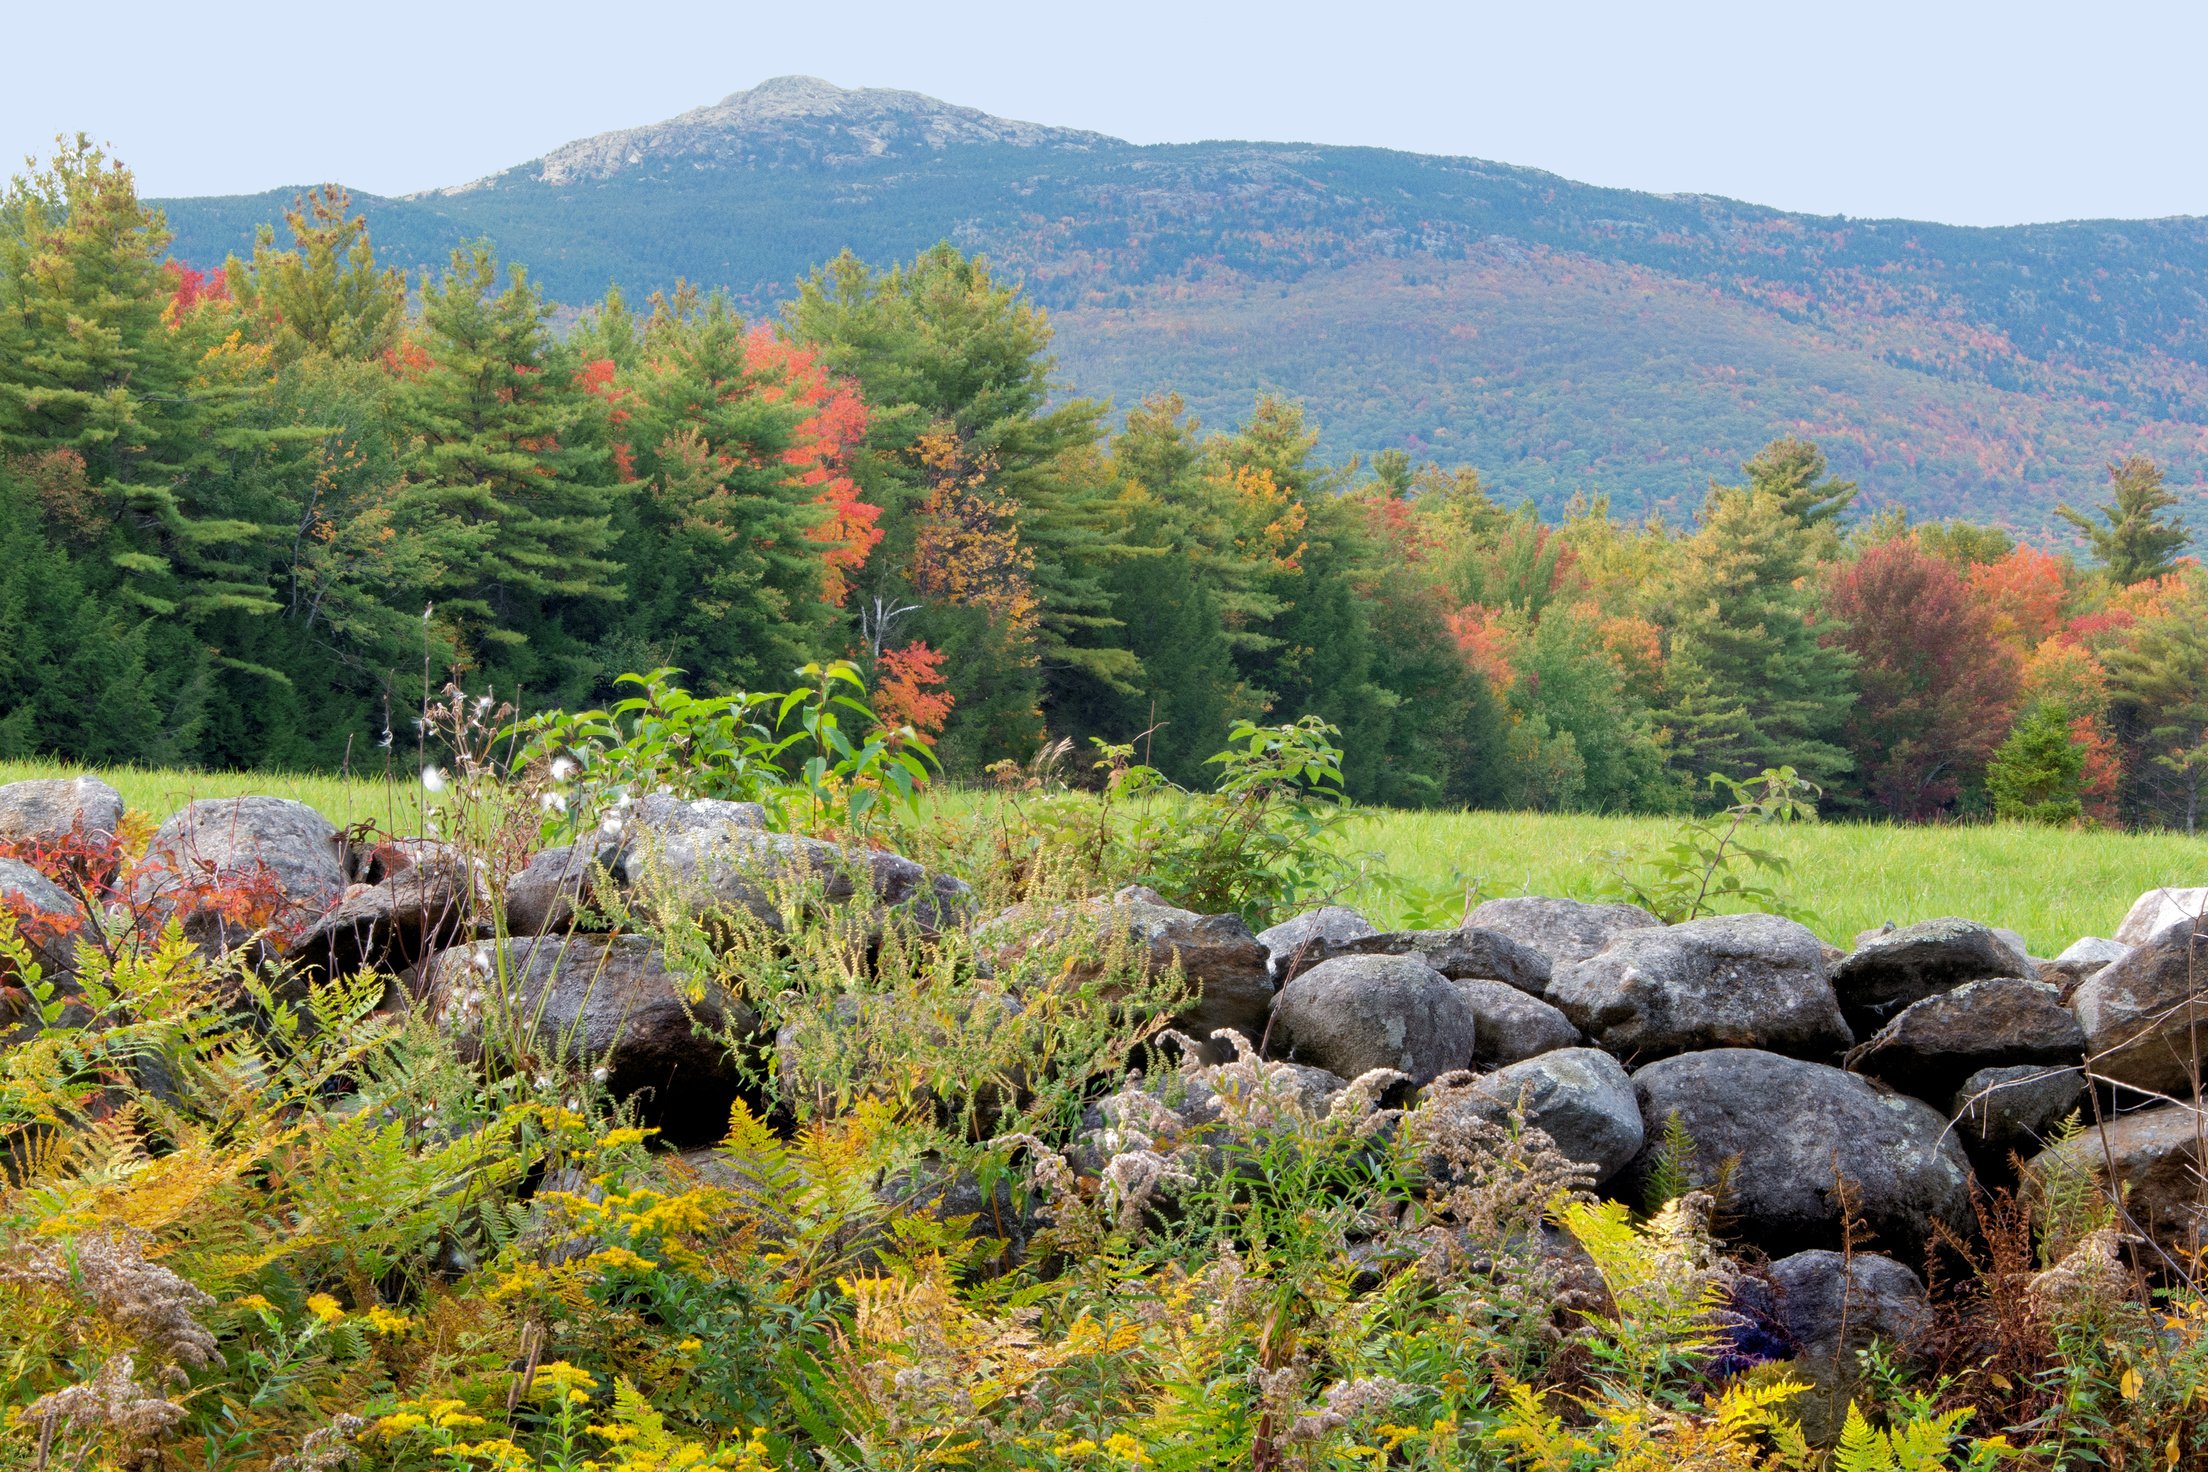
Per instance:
(1563,337)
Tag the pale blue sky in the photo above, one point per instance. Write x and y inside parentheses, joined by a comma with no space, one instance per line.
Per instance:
(1971,113)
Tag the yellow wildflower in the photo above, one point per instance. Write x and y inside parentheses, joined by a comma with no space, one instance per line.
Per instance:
(618,1259)
(388,1321)
(325,1308)
(1126,1449)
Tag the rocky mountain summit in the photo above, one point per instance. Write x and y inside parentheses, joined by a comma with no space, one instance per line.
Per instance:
(787,123)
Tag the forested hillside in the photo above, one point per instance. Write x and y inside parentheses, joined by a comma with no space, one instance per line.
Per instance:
(255,516)
(1558,336)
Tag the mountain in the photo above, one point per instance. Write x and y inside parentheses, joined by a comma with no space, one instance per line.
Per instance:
(1560,336)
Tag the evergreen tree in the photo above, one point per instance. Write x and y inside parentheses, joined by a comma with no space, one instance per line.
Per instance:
(1753,685)
(505,483)
(940,348)
(1792,470)
(2034,776)
(2159,681)
(723,581)
(326,294)
(2132,539)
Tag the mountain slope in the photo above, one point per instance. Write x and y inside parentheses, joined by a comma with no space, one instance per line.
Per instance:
(1558,335)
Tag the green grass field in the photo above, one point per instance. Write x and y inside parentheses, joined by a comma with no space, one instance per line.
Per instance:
(2050,885)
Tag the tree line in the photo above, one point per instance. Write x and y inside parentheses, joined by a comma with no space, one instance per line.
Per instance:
(248,514)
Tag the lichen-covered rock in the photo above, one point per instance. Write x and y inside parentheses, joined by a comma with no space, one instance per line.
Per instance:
(1897,967)
(1725,981)
(1354,1014)
(1563,930)
(1463,954)
(1932,1045)
(2144,1015)
(62,813)
(1512,1025)
(1796,1128)
(230,868)
(1580,1098)
(46,917)
(587,1001)
(2157,1162)
(1999,1110)
(2159,909)
(1312,931)
(548,896)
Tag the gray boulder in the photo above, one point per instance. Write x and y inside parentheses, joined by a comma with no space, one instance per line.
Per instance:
(399,923)
(1463,954)
(554,890)
(1563,930)
(588,1001)
(1221,959)
(1932,1045)
(1512,1025)
(1579,1097)
(1793,1126)
(1312,931)
(1891,970)
(2159,909)
(1999,1110)
(2145,1015)
(1354,1014)
(276,863)
(47,811)
(1725,981)
(46,917)
(2156,1154)
(2081,959)
(1833,1305)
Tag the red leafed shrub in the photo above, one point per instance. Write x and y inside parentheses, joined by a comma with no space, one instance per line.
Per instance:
(908,689)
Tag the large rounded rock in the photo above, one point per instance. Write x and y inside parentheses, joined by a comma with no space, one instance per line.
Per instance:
(1796,1128)
(2159,909)
(54,814)
(1832,1304)
(1514,1026)
(589,1001)
(2146,1016)
(395,925)
(1221,959)
(556,889)
(1725,981)
(1892,969)
(2156,1155)
(1933,1045)
(2080,959)
(2000,1110)
(1563,930)
(1579,1097)
(231,868)
(1354,1014)
(46,917)
(1464,954)
(1312,932)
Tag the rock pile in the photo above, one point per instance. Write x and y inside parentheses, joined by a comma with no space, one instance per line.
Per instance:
(1809,1086)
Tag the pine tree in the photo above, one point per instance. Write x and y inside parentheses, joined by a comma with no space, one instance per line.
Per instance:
(2132,540)
(1793,471)
(2159,681)
(724,581)
(1753,684)
(505,482)
(2034,776)
(326,294)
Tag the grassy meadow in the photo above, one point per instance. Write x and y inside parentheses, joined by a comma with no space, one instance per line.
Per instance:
(2050,885)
